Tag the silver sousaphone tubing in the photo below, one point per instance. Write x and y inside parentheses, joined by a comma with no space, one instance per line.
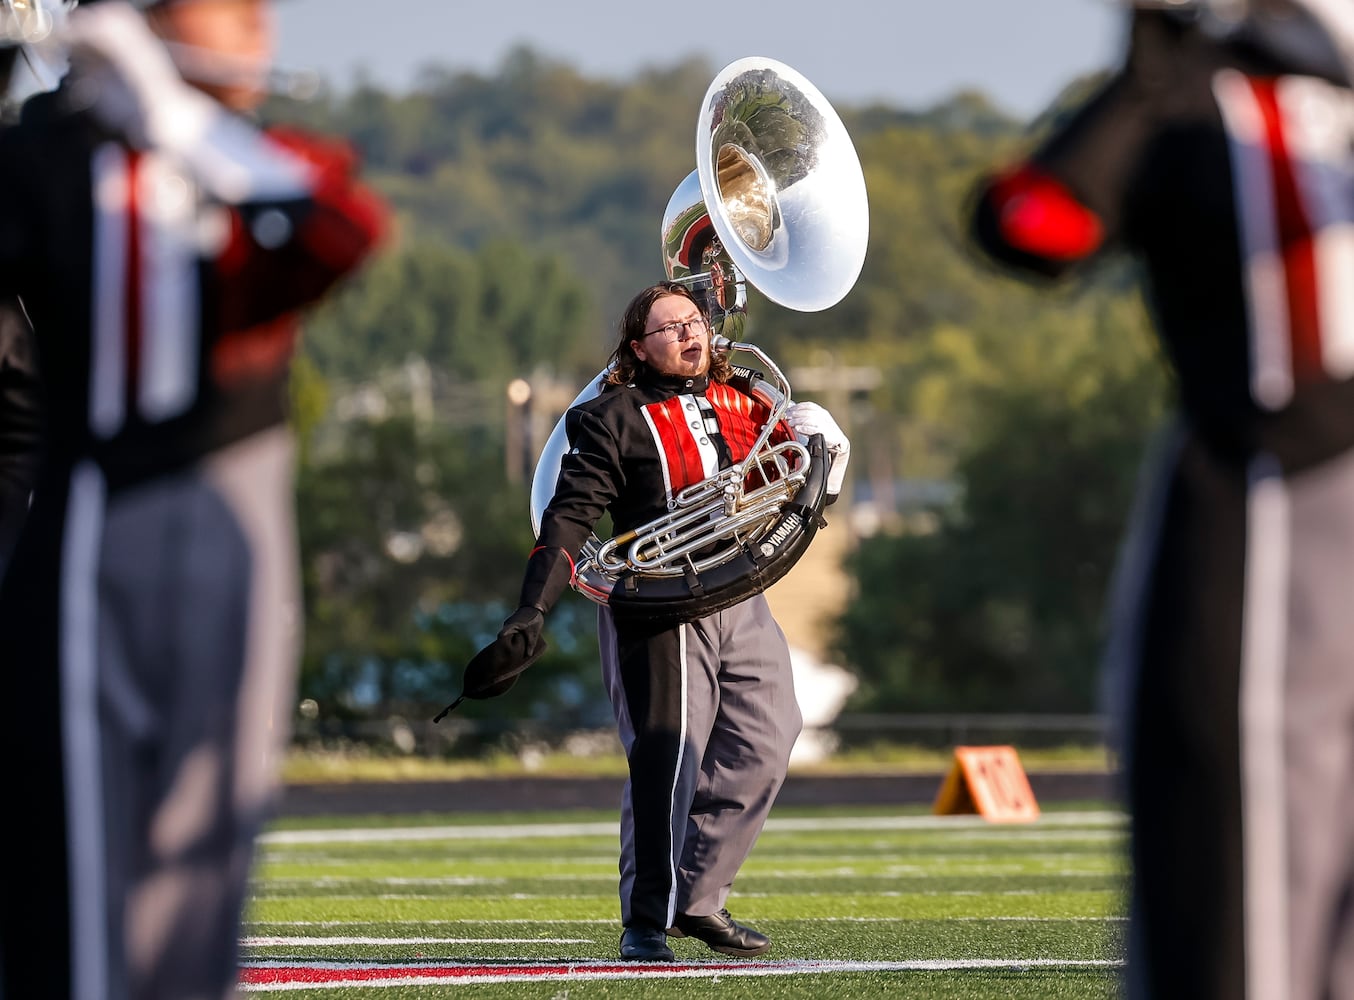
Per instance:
(781,203)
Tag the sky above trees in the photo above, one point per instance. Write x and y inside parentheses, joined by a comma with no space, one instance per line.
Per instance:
(907,54)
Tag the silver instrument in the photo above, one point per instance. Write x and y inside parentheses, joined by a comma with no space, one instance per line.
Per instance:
(32,61)
(777,200)
(25,22)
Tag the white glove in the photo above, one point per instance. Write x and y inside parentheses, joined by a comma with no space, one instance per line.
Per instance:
(132,85)
(807,419)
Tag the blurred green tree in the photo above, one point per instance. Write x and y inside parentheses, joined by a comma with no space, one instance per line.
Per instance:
(528,203)
(997,606)
(413,545)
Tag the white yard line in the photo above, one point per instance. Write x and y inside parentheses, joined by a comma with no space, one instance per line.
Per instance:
(611,920)
(266,886)
(507,831)
(326,941)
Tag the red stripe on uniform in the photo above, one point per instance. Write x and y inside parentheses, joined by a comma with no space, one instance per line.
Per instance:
(734,412)
(680,452)
(726,412)
(741,419)
(1295,240)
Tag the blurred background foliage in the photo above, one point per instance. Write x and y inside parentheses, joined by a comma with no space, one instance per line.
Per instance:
(993,454)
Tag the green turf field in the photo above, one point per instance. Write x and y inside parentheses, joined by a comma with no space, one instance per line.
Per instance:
(860,903)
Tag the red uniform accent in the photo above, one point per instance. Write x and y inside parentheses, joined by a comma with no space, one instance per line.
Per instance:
(680,452)
(348,218)
(741,419)
(734,410)
(259,352)
(262,287)
(1039,215)
(258,975)
(1295,240)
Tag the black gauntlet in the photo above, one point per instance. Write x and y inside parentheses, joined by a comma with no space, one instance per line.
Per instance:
(549,571)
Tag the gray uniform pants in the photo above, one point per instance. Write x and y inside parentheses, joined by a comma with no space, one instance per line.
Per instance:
(707,715)
(1234,660)
(175,614)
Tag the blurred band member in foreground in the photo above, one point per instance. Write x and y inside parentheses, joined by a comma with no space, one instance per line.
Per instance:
(161,244)
(1222,154)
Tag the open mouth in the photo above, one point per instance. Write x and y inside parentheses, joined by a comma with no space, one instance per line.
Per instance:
(692,353)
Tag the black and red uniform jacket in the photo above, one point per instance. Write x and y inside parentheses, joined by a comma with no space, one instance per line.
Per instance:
(633,447)
(164,321)
(1228,175)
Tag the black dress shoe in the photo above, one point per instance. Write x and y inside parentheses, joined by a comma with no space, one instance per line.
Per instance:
(722,933)
(645,944)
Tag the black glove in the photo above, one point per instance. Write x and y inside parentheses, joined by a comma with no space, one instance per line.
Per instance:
(519,644)
(495,668)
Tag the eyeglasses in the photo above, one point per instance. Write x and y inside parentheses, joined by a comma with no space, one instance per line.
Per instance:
(670,332)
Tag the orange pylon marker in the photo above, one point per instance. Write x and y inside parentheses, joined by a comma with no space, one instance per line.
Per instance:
(988,781)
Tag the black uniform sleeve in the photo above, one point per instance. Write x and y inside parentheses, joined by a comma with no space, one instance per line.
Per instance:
(1068,200)
(16,204)
(590,478)
(20,422)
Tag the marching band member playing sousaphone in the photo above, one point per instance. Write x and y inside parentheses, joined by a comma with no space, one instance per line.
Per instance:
(677,445)
(161,244)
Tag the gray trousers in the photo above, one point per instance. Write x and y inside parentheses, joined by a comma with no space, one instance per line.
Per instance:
(707,715)
(1234,636)
(202,687)
(175,635)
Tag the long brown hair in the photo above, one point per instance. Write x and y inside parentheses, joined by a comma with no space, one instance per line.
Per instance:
(625,365)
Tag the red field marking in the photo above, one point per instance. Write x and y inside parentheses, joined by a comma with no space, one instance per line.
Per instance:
(261,977)
(265,976)
(461,970)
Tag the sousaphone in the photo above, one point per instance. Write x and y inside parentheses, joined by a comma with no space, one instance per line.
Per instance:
(777,200)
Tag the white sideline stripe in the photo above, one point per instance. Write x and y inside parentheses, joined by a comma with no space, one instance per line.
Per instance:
(371,835)
(579,971)
(343,880)
(334,942)
(609,920)
(587,861)
(266,884)
(524,897)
